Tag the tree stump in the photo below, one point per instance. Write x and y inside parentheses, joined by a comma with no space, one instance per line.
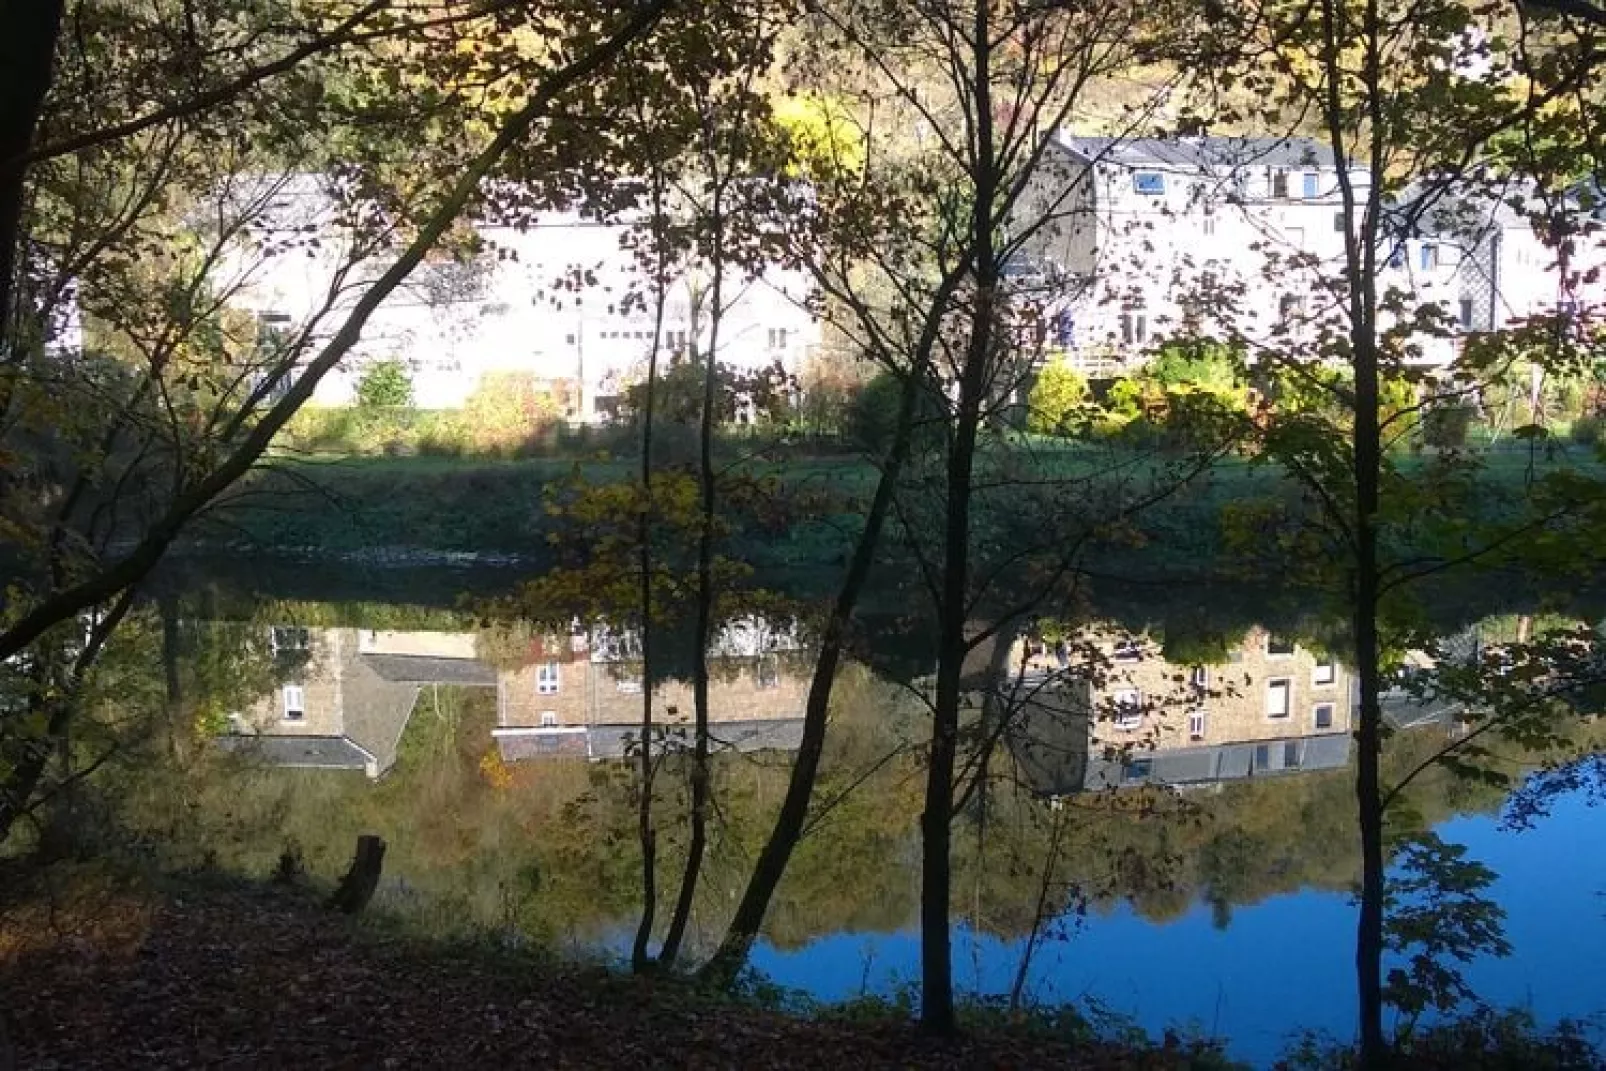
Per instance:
(358,886)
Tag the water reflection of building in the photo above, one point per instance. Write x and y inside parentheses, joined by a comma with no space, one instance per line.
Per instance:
(1272,707)
(344,695)
(582,695)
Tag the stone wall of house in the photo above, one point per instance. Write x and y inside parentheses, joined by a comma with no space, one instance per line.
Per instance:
(1236,697)
(418,644)
(320,677)
(609,693)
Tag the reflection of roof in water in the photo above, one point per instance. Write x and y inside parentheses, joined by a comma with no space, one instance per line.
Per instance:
(318,752)
(424,669)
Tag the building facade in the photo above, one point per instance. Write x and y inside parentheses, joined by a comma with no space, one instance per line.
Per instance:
(561,297)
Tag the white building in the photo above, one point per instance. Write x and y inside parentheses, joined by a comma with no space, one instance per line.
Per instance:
(559,297)
(1136,239)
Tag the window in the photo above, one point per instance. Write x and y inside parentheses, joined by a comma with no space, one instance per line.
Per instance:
(777,338)
(629,685)
(568,340)
(1263,757)
(1148,183)
(548,679)
(1397,257)
(1466,314)
(1324,715)
(1277,691)
(1276,645)
(1323,672)
(769,672)
(1128,708)
(295,702)
(1199,677)
(1279,184)
(288,639)
(1291,755)
(1338,223)
(1128,650)
(1134,328)
(1308,186)
(1428,256)
(1137,770)
(1196,725)
(1209,223)
(549,718)
(1290,306)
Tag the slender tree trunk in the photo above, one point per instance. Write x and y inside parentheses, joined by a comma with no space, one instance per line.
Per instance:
(172,680)
(647,833)
(727,963)
(702,634)
(1368,736)
(936,876)
(27,57)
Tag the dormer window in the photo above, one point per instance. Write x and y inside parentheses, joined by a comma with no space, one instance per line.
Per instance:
(1148,183)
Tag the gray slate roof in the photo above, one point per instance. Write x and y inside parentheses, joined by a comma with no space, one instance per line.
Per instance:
(318,752)
(422,669)
(1200,153)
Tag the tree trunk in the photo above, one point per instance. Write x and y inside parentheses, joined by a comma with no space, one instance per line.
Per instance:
(640,962)
(936,956)
(702,634)
(727,963)
(358,886)
(27,56)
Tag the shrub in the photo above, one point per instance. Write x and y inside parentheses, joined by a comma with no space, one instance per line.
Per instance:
(873,415)
(1057,399)
(1446,426)
(385,385)
(1586,430)
(507,413)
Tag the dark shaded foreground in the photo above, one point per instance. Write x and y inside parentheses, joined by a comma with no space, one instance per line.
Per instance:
(102,973)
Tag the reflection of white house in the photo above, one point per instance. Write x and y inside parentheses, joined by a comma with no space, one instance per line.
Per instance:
(1272,707)
(344,696)
(581,695)
(1138,239)
(559,297)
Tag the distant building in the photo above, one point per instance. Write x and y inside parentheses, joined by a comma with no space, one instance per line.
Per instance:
(1273,707)
(346,695)
(560,297)
(1128,241)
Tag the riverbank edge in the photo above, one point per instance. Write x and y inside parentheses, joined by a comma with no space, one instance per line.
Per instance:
(108,969)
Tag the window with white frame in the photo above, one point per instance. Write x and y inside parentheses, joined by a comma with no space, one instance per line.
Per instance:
(1276,645)
(549,718)
(289,638)
(1148,183)
(1428,256)
(548,678)
(1310,186)
(1128,703)
(1128,650)
(1196,724)
(295,702)
(1199,677)
(1323,672)
(1466,313)
(1134,328)
(1278,692)
(1279,185)
(1323,713)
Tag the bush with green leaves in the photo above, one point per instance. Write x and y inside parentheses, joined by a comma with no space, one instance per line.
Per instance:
(385,385)
(1058,400)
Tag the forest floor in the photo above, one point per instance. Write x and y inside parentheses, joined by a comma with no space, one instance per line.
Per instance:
(116,973)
